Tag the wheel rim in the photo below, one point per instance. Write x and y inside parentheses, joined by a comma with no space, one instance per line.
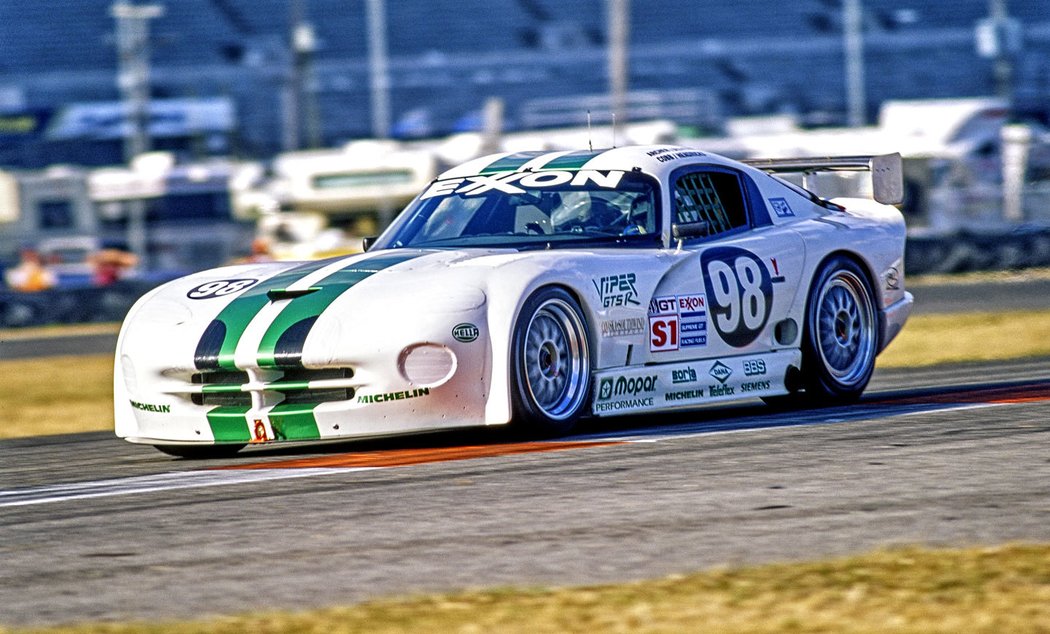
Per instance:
(556,360)
(846,328)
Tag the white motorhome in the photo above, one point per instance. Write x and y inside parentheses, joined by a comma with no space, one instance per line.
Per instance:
(174,217)
(46,210)
(952,148)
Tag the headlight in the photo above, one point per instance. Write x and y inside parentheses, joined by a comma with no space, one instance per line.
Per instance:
(427,364)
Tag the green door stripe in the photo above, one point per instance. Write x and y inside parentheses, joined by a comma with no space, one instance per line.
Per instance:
(315,303)
(229,425)
(239,312)
(294,422)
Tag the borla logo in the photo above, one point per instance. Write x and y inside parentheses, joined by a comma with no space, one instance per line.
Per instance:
(605,391)
(684,375)
(720,371)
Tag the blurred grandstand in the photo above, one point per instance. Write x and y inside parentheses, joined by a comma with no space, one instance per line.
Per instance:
(222,68)
(267,123)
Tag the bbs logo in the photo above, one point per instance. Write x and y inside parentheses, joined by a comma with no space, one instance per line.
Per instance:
(754,367)
(739,293)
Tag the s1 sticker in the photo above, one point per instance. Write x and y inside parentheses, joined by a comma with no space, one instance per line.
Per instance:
(739,293)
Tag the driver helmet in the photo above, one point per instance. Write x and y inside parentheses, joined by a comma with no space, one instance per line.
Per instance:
(580,209)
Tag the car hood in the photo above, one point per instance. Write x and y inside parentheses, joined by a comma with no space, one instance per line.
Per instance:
(203,321)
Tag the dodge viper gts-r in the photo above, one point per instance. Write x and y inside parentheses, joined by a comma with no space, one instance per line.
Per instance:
(534,288)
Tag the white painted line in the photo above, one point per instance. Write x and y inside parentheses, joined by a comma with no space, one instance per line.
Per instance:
(156,483)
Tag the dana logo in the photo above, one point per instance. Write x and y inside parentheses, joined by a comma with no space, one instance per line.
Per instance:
(720,371)
(465,332)
(623,386)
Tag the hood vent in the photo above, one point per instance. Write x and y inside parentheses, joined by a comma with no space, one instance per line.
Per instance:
(277,294)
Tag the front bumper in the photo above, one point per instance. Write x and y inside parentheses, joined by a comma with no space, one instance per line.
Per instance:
(892,319)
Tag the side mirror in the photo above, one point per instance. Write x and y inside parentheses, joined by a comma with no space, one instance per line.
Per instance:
(687,230)
(367,242)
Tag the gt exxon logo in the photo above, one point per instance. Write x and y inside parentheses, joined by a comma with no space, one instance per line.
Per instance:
(662,305)
(623,386)
(720,371)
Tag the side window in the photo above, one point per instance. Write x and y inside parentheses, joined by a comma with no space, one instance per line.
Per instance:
(712,197)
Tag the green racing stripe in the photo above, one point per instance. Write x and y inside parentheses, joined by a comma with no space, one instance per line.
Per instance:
(510,162)
(572,160)
(515,161)
(294,422)
(229,425)
(305,309)
(218,345)
(289,422)
(236,316)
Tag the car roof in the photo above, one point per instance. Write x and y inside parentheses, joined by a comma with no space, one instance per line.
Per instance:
(655,160)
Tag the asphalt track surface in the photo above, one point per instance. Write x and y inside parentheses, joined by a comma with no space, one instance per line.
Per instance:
(92,528)
(95,529)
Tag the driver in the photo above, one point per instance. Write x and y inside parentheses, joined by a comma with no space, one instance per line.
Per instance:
(640,216)
(581,211)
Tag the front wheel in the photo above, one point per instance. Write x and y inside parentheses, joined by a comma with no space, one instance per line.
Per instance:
(550,363)
(841,333)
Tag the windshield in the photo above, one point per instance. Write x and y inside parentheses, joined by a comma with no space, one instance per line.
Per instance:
(520,209)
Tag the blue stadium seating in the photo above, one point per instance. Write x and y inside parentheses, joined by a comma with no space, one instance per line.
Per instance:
(447,56)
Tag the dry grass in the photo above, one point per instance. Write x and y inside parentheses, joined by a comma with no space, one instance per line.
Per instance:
(56,395)
(912,590)
(954,338)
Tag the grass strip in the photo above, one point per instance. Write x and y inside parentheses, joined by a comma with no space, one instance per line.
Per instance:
(962,337)
(56,395)
(978,589)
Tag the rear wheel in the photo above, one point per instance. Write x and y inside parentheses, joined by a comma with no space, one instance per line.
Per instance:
(550,363)
(841,338)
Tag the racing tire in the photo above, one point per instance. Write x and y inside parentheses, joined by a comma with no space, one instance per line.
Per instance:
(550,364)
(200,452)
(841,334)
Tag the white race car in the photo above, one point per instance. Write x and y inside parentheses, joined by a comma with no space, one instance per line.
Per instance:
(533,288)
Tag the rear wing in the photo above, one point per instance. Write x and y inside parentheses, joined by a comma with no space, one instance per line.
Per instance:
(887,180)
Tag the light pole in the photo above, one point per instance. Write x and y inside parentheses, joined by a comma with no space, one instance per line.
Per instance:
(853,43)
(618,36)
(133,70)
(133,82)
(299,101)
(999,37)
(378,69)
